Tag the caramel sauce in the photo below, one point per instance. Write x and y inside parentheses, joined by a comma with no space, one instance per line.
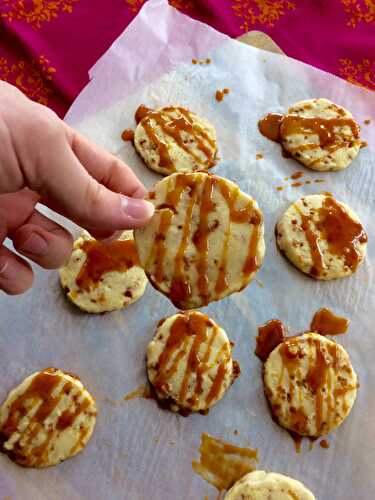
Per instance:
(200,238)
(222,463)
(270,335)
(313,239)
(186,326)
(219,94)
(127,135)
(141,112)
(342,233)
(173,127)
(327,323)
(180,284)
(275,126)
(297,438)
(269,126)
(322,127)
(103,258)
(68,417)
(290,354)
(297,175)
(324,443)
(141,392)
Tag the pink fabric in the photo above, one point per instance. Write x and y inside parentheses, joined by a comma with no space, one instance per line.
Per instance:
(48,46)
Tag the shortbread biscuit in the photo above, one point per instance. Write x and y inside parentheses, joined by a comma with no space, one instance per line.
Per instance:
(320,134)
(322,237)
(204,241)
(310,384)
(261,485)
(173,139)
(101,277)
(48,418)
(189,362)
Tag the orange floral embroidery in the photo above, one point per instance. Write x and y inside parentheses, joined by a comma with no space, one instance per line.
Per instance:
(362,74)
(135,5)
(181,4)
(35,12)
(260,11)
(359,11)
(30,77)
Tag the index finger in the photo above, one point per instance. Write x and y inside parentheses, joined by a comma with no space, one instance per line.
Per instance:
(105,167)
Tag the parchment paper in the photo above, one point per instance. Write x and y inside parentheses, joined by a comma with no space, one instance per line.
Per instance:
(139,451)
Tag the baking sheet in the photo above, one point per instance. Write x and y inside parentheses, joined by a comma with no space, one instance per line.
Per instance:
(138,451)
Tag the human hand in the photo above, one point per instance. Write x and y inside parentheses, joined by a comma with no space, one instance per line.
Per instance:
(44,160)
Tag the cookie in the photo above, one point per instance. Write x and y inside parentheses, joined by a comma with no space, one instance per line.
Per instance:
(204,241)
(48,418)
(322,237)
(101,277)
(310,384)
(261,485)
(173,139)
(189,362)
(320,134)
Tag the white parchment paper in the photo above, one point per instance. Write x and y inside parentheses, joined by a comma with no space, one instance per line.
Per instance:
(139,452)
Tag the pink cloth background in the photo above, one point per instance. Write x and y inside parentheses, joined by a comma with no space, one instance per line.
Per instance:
(48,46)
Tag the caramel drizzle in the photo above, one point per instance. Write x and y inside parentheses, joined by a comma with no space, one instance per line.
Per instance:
(222,463)
(200,238)
(180,285)
(184,327)
(322,127)
(102,258)
(342,234)
(172,199)
(326,322)
(276,127)
(313,241)
(40,389)
(270,335)
(174,127)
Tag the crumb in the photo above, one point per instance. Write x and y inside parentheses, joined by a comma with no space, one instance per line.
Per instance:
(367,121)
(259,156)
(279,188)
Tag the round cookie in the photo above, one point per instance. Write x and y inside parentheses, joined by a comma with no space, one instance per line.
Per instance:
(310,384)
(261,485)
(320,134)
(48,418)
(189,362)
(101,277)
(204,241)
(322,237)
(173,139)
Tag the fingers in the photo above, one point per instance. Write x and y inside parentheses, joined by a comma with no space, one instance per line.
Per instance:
(43,241)
(16,275)
(70,190)
(104,167)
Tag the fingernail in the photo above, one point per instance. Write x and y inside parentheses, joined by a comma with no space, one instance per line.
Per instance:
(138,209)
(35,244)
(8,270)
